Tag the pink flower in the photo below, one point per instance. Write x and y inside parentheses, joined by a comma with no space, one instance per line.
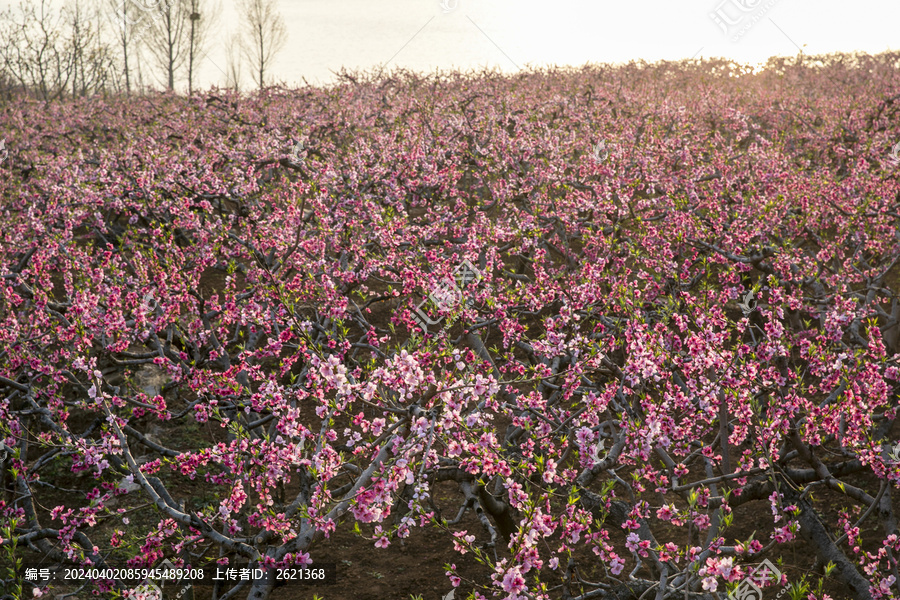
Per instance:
(616,565)
(783,534)
(457,543)
(666,512)
(668,552)
(550,472)
(513,582)
(710,584)
(454,580)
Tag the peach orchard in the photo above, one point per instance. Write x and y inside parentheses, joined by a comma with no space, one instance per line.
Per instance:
(679,301)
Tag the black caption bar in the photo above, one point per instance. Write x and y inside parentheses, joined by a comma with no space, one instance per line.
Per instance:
(315,574)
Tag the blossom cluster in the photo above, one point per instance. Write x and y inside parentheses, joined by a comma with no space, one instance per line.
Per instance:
(701,328)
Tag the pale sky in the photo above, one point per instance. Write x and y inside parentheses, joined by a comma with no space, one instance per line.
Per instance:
(423,35)
(509,34)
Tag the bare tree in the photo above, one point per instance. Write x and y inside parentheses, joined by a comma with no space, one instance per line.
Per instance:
(193,43)
(141,82)
(32,49)
(126,17)
(48,51)
(90,57)
(266,35)
(203,16)
(167,37)
(233,51)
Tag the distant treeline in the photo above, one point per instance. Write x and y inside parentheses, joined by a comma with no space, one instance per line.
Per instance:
(51,49)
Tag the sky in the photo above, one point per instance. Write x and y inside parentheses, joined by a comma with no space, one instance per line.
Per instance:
(425,35)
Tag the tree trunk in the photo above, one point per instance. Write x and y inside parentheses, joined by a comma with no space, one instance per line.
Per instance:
(816,535)
(191,51)
(125,58)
